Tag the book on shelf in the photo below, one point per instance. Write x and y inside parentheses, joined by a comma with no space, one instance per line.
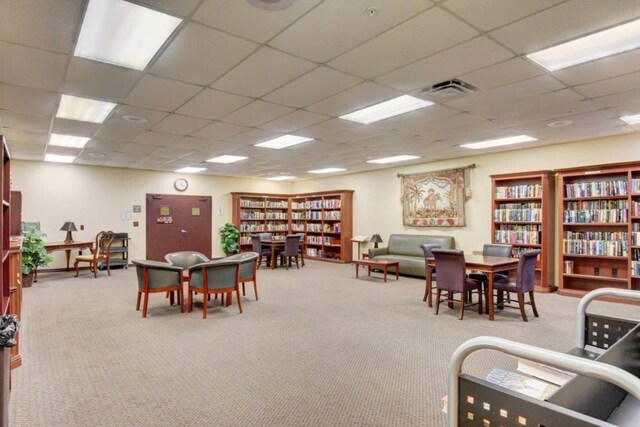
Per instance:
(524,384)
(519,191)
(596,189)
(544,372)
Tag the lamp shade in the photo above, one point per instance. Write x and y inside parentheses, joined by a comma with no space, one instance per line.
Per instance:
(376,238)
(68,226)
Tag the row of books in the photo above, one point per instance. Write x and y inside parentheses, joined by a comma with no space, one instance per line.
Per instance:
(595,247)
(272,226)
(635,208)
(297,205)
(252,215)
(318,215)
(276,215)
(322,240)
(618,236)
(517,214)
(255,204)
(635,268)
(297,215)
(635,186)
(323,204)
(518,191)
(519,237)
(246,240)
(280,204)
(324,228)
(297,227)
(635,238)
(603,215)
(316,228)
(594,205)
(596,188)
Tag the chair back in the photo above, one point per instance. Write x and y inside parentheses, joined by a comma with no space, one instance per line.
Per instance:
(104,239)
(155,274)
(256,244)
(292,245)
(527,271)
(451,269)
(218,274)
(498,250)
(185,259)
(248,264)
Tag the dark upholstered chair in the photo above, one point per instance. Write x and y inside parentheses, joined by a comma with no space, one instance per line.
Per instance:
(426,249)
(524,283)
(494,249)
(153,277)
(100,253)
(452,278)
(185,259)
(256,246)
(303,247)
(248,270)
(214,277)
(291,249)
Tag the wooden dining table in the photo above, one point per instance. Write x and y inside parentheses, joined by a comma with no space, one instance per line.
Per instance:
(274,245)
(488,265)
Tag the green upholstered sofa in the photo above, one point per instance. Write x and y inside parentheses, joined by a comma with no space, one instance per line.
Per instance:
(405,248)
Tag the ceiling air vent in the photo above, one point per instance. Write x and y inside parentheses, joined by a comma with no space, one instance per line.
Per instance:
(447,90)
(271,4)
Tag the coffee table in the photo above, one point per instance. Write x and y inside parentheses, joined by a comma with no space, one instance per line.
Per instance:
(383,265)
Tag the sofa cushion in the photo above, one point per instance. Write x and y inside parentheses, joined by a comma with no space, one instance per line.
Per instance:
(409,244)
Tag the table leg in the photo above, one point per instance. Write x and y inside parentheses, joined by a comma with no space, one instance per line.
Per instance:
(427,292)
(369,270)
(356,271)
(68,252)
(398,272)
(385,273)
(490,298)
(273,257)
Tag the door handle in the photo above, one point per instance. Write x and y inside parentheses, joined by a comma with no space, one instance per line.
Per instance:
(183,231)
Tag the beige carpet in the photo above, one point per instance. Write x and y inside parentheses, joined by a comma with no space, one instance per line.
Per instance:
(320,348)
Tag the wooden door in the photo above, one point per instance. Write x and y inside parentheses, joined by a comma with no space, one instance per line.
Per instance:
(178,223)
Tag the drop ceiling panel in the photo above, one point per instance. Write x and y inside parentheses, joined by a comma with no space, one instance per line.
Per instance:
(171,152)
(26,100)
(63,151)
(327,128)
(200,55)
(26,151)
(105,146)
(171,7)
(601,69)
(628,101)
(25,137)
(25,121)
(477,53)
(580,121)
(355,98)
(97,80)
(336,26)
(503,73)
(426,34)
(191,143)
(162,94)
(312,87)
(139,149)
(74,127)
(157,138)
(180,125)
(25,66)
(213,104)
(120,132)
(252,137)
(549,113)
(520,106)
(265,70)
(220,131)
(121,110)
(293,121)
(610,86)
(565,22)
(43,24)
(419,120)
(256,113)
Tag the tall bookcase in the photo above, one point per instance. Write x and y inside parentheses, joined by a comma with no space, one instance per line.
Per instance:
(522,215)
(325,218)
(600,227)
(5,269)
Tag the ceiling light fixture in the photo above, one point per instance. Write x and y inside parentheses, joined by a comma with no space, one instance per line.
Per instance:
(281,177)
(560,123)
(189,169)
(283,141)
(68,140)
(135,119)
(226,159)
(271,4)
(122,33)
(328,170)
(632,120)
(393,159)
(384,110)
(83,109)
(499,142)
(594,46)
(58,158)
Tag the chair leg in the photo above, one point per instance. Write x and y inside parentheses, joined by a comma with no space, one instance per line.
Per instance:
(426,291)
(190,302)
(145,304)
(181,299)
(463,300)
(171,300)
(302,257)
(297,267)
(480,300)
(488,299)
(95,270)
(138,301)
(75,265)
(533,304)
(438,294)
(287,260)
(239,300)
(204,305)
(255,288)
(230,298)
(108,268)
(521,304)
(243,290)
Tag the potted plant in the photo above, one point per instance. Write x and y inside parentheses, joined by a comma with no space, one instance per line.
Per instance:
(34,255)
(229,235)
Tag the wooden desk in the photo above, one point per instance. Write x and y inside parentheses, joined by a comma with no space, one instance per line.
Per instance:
(484,264)
(67,247)
(274,245)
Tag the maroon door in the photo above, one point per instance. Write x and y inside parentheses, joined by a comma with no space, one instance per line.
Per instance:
(178,223)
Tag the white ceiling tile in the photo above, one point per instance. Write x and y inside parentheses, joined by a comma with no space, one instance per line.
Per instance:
(105,146)
(25,66)
(355,98)
(97,80)
(44,24)
(213,104)
(490,14)
(312,87)
(26,100)
(25,136)
(265,70)
(564,22)
(160,94)
(240,18)
(610,86)
(63,151)
(172,7)
(626,102)
(139,149)
(26,151)
(74,127)
(419,120)
(200,55)
(256,113)
(296,120)
(503,73)
(171,152)
(327,128)
(181,125)
(534,103)
(336,26)
(120,132)
(157,138)
(426,34)
(25,121)
(601,69)
(477,53)
(252,137)
(193,143)
(548,113)
(152,116)
(220,131)
(580,121)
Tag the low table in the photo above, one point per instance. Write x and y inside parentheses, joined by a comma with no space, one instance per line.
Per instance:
(383,265)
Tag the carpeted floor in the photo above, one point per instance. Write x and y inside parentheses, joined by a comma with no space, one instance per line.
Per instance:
(320,348)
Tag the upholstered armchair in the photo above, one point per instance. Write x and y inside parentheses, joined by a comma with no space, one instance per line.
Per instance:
(291,249)
(214,277)
(256,246)
(155,277)
(452,278)
(303,246)
(185,259)
(99,253)
(426,250)
(248,270)
(524,284)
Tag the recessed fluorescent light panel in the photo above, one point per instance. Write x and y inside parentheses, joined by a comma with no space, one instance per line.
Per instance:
(384,110)
(393,159)
(58,158)
(632,120)
(283,141)
(123,33)
(68,140)
(83,109)
(328,170)
(189,169)
(281,178)
(499,142)
(227,158)
(595,46)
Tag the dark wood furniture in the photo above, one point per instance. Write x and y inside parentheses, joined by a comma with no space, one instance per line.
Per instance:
(382,265)
(274,246)
(523,283)
(16,213)
(5,271)
(15,289)
(522,215)
(99,254)
(67,247)
(452,278)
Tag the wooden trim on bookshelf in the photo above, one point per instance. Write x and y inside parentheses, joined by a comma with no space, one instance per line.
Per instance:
(592,277)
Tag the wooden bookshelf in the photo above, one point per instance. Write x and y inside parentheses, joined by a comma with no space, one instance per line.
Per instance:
(5,353)
(325,218)
(599,229)
(522,215)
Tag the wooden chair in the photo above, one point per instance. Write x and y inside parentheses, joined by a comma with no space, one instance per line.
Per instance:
(256,246)
(248,271)
(426,250)
(291,250)
(452,278)
(214,277)
(155,277)
(524,283)
(184,259)
(101,253)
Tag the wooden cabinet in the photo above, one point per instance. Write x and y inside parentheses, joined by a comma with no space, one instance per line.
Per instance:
(325,218)
(15,289)
(522,211)
(5,290)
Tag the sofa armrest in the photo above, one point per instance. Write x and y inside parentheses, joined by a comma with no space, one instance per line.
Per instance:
(374,252)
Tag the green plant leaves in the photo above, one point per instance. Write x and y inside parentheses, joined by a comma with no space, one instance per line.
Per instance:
(34,254)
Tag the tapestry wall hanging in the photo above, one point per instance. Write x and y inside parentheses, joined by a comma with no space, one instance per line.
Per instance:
(433,199)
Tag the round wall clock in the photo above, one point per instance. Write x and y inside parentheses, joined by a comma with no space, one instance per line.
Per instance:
(180,184)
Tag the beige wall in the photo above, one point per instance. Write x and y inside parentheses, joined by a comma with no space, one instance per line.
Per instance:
(93,196)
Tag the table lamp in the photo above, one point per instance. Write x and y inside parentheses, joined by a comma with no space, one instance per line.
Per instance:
(68,227)
(376,239)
